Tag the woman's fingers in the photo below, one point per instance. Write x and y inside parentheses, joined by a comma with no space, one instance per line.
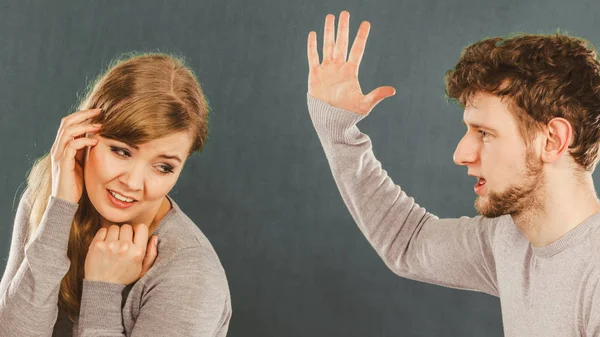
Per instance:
(113,233)
(140,237)
(67,161)
(311,50)
(126,233)
(78,117)
(151,254)
(100,235)
(341,45)
(73,119)
(328,37)
(358,47)
(73,132)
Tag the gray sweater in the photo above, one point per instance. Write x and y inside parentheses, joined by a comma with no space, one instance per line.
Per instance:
(548,291)
(185,292)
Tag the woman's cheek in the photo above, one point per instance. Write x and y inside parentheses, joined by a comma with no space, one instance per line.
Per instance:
(108,166)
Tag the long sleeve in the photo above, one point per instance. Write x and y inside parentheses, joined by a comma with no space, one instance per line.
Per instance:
(19,239)
(31,282)
(592,328)
(187,297)
(413,243)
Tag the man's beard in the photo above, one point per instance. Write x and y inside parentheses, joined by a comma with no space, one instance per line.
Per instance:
(518,198)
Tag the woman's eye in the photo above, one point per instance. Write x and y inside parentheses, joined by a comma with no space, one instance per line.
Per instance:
(164,169)
(119,151)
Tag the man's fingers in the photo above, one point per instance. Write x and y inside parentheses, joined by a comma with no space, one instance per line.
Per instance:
(341,44)
(311,50)
(328,37)
(358,47)
(379,94)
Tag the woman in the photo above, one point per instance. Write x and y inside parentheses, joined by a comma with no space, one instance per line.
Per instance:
(80,261)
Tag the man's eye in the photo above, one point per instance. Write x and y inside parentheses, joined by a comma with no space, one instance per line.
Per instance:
(483,133)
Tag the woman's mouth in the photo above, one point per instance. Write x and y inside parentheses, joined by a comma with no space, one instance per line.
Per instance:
(119,203)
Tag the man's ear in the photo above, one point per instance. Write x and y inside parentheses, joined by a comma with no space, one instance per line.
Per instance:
(559,135)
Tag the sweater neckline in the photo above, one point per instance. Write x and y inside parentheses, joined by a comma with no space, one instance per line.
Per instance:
(171,213)
(567,240)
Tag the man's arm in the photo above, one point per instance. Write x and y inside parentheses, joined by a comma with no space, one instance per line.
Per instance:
(412,242)
(593,321)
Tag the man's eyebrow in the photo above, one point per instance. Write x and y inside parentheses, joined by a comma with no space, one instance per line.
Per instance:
(162,155)
(480,126)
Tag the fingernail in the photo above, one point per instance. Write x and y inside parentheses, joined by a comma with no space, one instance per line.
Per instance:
(96,125)
(155,241)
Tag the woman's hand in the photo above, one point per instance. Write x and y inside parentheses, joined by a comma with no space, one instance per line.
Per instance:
(116,255)
(67,153)
(335,80)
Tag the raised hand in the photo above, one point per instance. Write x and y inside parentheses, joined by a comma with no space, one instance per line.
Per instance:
(115,255)
(67,152)
(335,80)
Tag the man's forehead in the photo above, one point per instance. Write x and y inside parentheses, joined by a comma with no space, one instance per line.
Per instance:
(487,110)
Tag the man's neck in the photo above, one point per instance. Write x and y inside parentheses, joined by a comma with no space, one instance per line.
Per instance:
(561,208)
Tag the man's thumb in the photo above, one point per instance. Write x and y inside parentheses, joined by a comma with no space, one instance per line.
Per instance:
(379,94)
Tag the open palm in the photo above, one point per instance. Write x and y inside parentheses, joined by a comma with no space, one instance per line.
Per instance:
(335,80)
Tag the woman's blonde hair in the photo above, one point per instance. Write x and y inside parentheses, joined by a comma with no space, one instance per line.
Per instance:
(143,97)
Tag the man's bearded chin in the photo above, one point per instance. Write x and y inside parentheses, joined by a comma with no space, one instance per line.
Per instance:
(517,199)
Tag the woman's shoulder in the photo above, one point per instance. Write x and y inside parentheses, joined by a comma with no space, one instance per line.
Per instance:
(179,238)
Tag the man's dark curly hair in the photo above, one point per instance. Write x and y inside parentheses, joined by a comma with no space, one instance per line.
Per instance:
(542,77)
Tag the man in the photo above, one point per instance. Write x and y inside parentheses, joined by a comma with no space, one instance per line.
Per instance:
(532,111)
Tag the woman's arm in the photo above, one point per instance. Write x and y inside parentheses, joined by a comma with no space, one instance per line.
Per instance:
(20,234)
(187,295)
(31,282)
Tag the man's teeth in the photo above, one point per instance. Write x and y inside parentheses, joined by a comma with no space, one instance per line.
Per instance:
(120,197)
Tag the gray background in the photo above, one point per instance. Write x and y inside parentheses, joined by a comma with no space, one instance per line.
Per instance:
(262,190)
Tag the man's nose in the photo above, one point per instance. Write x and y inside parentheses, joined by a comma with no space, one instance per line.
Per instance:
(465,152)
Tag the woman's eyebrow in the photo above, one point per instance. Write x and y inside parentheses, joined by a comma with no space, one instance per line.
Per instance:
(176,157)
(162,155)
